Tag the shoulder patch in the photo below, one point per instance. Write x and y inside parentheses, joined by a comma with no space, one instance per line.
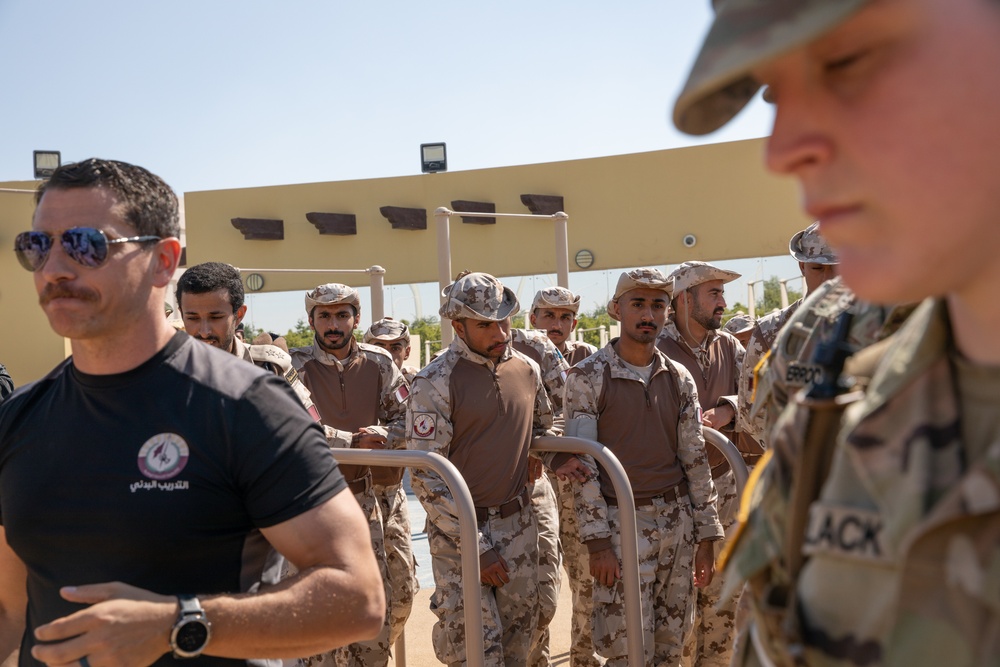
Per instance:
(424,425)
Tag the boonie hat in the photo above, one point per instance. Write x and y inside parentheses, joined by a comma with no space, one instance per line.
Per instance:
(689,274)
(739,323)
(332,294)
(556,297)
(808,246)
(745,34)
(387,329)
(479,296)
(646,278)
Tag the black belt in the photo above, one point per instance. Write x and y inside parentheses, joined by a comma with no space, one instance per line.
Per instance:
(361,484)
(510,507)
(677,492)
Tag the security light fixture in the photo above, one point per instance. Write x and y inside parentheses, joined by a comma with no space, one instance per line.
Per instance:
(46,162)
(433,158)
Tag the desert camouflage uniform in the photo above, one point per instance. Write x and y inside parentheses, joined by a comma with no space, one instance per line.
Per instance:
(543,497)
(763,336)
(511,610)
(790,366)
(668,528)
(902,540)
(576,560)
(392,418)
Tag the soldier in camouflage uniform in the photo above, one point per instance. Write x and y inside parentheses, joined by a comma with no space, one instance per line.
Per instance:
(394,338)
(554,311)
(882,551)
(360,395)
(536,346)
(479,405)
(692,337)
(643,407)
(212,311)
(818,263)
(741,326)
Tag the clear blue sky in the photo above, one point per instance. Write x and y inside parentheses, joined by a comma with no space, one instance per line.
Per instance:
(225,94)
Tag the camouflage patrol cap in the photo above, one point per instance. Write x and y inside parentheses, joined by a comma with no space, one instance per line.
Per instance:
(739,323)
(332,294)
(647,278)
(387,329)
(556,297)
(689,274)
(479,296)
(809,247)
(744,35)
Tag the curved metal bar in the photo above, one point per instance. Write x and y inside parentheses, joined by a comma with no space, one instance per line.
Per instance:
(630,537)
(475,651)
(728,449)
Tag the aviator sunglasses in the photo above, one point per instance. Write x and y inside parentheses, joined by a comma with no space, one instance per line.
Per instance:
(84,245)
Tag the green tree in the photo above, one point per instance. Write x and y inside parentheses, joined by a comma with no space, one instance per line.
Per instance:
(429,329)
(597,318)
(300,336)
(772,296)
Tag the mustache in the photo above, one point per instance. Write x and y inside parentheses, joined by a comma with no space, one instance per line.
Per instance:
(62,291)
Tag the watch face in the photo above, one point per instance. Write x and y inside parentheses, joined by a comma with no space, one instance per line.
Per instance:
(192,636)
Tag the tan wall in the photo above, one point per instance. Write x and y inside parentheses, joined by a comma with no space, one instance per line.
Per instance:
(28,347)
(628,210)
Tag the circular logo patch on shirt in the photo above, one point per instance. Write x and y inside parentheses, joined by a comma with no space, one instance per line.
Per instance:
(423,425)
(163,456)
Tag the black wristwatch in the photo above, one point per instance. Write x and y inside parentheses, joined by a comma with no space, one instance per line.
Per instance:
(192,630)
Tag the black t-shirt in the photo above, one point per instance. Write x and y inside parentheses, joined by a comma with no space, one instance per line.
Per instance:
(158,477)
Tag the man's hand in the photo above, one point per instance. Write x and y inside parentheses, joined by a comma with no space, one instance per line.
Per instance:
(365,440)
(704,563)
(573,470)
(718,416)
(604,566)
(123,625)
(493,569)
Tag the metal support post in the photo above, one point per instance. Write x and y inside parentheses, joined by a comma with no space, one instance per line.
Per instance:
(442,216)
(377,274)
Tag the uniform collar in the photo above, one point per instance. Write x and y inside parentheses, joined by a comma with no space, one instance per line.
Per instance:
(459,347)
(621,371)
(325,357)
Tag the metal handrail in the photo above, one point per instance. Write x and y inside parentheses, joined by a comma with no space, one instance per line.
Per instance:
(475,650)
(726,447)
(629,533)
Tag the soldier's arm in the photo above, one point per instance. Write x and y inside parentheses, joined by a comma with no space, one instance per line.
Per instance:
(394,390)
(580,405)
(429,429)
(694,461)
(746,419)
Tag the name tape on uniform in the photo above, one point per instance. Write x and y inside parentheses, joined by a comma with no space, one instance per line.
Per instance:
(849,531)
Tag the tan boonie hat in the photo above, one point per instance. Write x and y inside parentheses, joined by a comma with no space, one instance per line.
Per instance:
(689,274)
(808,246)
(387,329)
(479,296)
(556,297)
(646,278)
(739,323)
(744,35)
(332,294)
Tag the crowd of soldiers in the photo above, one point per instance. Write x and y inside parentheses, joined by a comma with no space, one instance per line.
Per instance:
(645,396)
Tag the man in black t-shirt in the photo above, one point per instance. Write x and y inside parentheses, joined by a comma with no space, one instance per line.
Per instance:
(149,468)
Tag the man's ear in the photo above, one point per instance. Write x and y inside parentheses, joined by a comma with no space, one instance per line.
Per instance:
(241,313)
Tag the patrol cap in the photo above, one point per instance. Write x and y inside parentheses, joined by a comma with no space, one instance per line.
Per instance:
(808,246)
(332,294)
(556,297)
(387,329)
(739,323)
(479,296)
(689,274)
(744,35)
(647,278)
